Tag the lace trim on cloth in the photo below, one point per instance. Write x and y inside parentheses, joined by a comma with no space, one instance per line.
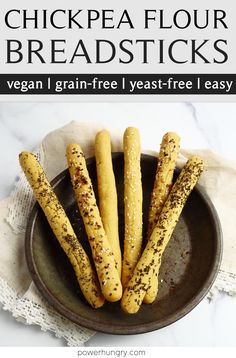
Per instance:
(29,312)
(225,282)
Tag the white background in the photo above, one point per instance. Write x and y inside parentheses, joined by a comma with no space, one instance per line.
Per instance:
(23,126)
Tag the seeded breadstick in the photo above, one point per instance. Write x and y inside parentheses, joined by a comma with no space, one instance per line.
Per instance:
(133,198)
(107,193)
(62,228)
(167,158)
(168,155)
(101,250)
(150,260)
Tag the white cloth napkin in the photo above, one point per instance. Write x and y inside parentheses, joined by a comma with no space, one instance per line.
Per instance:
(17,292)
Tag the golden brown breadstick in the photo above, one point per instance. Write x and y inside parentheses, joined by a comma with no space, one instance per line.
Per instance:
(150,260)
(133,200)
(167,158)
(107,193)
(101,250)
(62,228)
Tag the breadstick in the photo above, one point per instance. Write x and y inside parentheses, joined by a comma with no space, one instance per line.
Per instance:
(167,158)
(62,228)
(168,155)
(150,260)
(107,193)
(101,250)
(133,199)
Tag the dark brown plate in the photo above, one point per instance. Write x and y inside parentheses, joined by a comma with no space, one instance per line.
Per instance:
(190,262)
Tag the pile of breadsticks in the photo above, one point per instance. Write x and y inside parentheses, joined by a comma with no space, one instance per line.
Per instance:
(133,279)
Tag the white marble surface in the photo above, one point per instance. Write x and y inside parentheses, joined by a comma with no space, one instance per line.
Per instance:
(22,126)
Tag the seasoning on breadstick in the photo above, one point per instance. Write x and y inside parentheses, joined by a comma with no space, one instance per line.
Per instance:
(101,250)
(107,193)
(167,158)
(150,260)
(133,199)
(62,228)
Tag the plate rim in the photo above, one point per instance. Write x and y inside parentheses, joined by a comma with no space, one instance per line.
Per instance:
(119,329)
